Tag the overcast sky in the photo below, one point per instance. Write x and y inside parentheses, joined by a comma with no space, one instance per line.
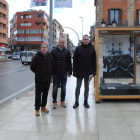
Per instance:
(67,17)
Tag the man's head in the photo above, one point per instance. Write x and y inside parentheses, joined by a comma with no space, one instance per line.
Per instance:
(61,43)
(44,48)
(85,39)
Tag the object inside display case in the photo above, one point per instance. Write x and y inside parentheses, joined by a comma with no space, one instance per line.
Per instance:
(118,66)
(119,89)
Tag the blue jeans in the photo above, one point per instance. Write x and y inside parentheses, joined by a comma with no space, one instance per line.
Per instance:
(78,86)
(57,79)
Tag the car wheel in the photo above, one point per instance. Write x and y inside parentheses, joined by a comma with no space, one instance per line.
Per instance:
(22,62)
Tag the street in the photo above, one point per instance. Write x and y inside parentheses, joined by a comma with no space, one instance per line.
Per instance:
(14,77)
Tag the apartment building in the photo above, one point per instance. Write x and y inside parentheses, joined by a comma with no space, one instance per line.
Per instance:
(115,32)
(67,40)
(4,20)
(57,32)
(28,29)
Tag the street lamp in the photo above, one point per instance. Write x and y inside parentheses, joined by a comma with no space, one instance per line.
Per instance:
(82,26)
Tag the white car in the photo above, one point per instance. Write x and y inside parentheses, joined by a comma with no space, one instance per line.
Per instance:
(27,56)
(16,55)
(138,57)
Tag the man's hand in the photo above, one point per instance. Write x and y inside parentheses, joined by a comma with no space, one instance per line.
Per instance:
(74,74)
(69,75)
(94,73)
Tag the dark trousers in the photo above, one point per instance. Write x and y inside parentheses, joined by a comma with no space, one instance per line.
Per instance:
(78,86)
(41,90)
(57,79)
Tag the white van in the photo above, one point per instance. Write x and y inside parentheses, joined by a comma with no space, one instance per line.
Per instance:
(27,56)
(16,55)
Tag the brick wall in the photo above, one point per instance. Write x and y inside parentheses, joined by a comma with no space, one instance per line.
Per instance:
(119,4)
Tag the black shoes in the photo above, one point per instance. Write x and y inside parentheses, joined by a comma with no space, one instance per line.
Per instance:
(76,104)
(86,104)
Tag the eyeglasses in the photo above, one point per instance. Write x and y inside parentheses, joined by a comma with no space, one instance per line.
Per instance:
(85,39)
(43,47)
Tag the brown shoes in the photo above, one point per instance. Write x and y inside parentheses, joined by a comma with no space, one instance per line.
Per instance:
(44,109)
(37,113)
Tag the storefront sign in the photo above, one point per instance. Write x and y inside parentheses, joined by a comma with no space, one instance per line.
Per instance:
(2,45)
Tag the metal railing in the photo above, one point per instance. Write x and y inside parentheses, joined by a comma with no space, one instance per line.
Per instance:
(119,23)
(2,8)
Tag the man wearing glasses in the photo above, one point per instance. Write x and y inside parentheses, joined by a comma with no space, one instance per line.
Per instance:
(84,65)
(42,65)
(62,69)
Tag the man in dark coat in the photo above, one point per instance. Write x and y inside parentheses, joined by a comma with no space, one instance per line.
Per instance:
(42,65)
(84,65)
(63,67)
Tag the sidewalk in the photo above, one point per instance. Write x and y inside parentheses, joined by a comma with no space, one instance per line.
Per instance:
(109,120)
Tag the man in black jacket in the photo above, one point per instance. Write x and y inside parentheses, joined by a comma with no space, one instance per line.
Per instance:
(84,65)
(63,67)
(42,65)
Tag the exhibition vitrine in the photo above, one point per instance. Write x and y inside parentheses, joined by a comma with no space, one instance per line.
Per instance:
(117,66)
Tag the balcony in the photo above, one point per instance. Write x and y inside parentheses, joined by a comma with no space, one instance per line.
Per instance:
(4,8)
(120,23)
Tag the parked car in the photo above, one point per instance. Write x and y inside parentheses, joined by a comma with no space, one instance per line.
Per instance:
(138,57)
(27,56)
(16,55)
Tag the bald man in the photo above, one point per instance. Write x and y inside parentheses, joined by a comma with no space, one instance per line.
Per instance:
(62,69)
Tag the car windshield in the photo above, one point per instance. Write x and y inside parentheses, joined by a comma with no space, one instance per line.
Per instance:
(16,54)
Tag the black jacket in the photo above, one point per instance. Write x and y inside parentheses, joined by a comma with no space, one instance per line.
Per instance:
(84,61)
(42,65)
(62,60)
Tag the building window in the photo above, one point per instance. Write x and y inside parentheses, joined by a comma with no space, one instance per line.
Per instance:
(38,15)
(114,14)
(21,16)
(45,16)
(15,32)
(25,24)
(137,22)
(30,16)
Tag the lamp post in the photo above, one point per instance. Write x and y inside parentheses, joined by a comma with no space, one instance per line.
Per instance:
(82,26)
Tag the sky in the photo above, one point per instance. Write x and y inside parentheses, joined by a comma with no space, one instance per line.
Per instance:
(67,17)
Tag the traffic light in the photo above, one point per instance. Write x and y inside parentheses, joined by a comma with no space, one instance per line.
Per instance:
(59,28)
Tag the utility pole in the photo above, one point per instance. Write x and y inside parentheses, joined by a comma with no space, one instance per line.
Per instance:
(51,25)
(82,27)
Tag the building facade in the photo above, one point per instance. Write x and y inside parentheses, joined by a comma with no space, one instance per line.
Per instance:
(4,20)
(29,29)
(67,40)
(57,32)
(125,12)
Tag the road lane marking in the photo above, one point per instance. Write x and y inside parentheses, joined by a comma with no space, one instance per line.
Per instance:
(16,93)
(16,66)
(8,62)
(11,71)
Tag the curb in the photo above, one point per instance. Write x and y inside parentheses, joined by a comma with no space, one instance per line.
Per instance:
(5,59)
(16,95)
